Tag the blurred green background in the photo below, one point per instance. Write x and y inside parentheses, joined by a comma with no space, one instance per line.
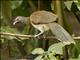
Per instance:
(67,10)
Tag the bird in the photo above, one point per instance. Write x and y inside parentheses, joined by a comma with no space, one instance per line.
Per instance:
(44,21)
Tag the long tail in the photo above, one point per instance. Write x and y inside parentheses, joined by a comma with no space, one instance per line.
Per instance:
(61,34)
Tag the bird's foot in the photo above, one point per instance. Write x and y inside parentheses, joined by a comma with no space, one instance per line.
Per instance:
(40,36)
(44,36)
(36,36)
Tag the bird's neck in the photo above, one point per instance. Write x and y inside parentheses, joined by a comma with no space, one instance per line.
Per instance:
(27,21)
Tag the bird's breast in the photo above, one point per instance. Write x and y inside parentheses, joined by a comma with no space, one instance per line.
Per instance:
(41,27)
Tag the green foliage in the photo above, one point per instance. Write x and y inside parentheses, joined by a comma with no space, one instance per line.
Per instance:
(74,59)
(74,50)
(50,54)
(8,29)
(38,51)
(15,4)
(69,4)
(77,2)
(56,48)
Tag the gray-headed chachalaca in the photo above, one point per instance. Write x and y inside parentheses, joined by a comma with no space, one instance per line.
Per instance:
(43,21)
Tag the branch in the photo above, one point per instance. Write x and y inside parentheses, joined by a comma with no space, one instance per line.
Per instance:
(30,36)
(24,36)
(16,35)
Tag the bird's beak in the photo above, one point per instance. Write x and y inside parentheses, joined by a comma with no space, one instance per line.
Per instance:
(15,22)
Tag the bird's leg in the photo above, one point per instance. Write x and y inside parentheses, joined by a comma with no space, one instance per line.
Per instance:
(38,34)
(45,35)
(41,28)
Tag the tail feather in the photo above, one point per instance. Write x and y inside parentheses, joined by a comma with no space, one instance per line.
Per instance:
(61,34)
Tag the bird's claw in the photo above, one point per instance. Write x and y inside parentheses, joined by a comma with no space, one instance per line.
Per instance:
(36,36)
(44,36)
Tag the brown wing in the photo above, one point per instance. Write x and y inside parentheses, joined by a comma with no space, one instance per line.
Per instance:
(41,17)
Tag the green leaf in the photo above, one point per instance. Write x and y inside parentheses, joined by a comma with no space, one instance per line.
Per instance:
(78,46)
(52,57)
(39,58)
(68,4)
(56,48)
(8,29)
(38,51)
(74,59)
(15,4)
(74,50)
(77,3)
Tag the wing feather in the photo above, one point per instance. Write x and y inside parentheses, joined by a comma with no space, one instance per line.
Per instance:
(43,17)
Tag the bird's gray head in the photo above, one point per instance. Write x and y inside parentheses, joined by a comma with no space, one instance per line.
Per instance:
(19,19)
